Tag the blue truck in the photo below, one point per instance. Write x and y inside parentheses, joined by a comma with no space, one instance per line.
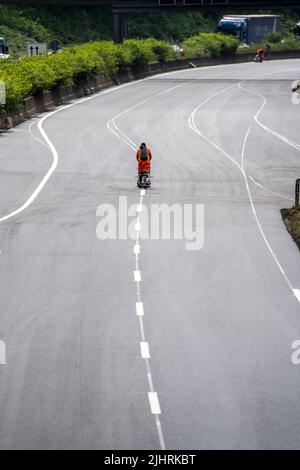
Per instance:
(250,29)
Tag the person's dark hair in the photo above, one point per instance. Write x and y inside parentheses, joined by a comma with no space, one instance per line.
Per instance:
(143,145)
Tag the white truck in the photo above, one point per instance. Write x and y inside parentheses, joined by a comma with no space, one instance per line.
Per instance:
(4,52)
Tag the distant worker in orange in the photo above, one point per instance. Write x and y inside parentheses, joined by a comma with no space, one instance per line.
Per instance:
(260,55)
(144,157)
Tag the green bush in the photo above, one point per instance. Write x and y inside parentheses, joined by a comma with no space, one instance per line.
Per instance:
(141,52)
(33,75)
(274,38)
(18,85)
(211,44)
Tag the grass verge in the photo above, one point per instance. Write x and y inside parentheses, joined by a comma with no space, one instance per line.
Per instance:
(291,218)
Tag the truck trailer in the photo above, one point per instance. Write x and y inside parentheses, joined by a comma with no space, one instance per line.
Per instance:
(250,29)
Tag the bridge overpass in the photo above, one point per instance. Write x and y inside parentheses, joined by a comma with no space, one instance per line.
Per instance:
(124,6)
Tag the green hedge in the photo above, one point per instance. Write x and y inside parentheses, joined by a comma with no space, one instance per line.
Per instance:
(209,44)
(289,43)
(33,75)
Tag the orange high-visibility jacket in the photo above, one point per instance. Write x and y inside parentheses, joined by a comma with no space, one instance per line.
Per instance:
(144,165)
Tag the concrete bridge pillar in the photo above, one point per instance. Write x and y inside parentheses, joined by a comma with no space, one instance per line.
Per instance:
(118,27)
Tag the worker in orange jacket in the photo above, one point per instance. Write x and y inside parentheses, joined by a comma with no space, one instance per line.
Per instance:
(260,55)
(144,157)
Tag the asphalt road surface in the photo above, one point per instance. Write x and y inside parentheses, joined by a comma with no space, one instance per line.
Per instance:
(215,369)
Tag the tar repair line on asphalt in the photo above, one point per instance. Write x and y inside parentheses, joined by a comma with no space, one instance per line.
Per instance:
(269,190)
(193,127)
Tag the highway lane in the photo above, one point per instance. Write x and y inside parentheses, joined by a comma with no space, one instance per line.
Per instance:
(219,321)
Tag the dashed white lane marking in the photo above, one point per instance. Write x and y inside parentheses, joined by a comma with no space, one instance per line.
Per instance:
(153,396)
(192,125)
(139,306)
(154,403)
(145,352)
(2,353)
(297,294)
(269,190)
(136,249)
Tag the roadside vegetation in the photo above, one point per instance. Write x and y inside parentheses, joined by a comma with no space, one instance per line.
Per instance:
(291,218)
(275,42)
(73,25)
(76,25)
(33,75)
(209,44)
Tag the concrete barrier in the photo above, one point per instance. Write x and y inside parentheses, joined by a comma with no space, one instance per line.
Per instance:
(47,100)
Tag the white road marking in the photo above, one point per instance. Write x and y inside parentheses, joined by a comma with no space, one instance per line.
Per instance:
(297,293)
(192,125)
(36,138)
(269,190)
(274,133)
(112,126)
(52,148)
(139,208)
(2,352)
(145,353)
(139,306)
(154,403)
(136,249)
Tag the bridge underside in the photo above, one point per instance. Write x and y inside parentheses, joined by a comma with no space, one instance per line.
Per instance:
(119,7)
(167,4)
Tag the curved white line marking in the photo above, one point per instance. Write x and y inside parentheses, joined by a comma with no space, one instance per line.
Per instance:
(266,128)
(52,148)
(192,125)
(51,170)
(112,126)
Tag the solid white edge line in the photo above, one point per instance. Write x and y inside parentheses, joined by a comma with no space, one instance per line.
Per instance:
(145,353)
(137,227)
(154,403)
(143,192)
(137,276)
(139,306)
